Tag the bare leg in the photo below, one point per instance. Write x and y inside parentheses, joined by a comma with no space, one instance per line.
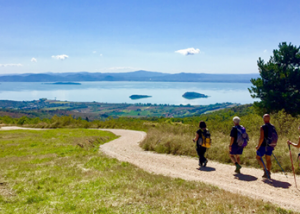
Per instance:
(269,163)
(238,159)
(233,159)
(259,161)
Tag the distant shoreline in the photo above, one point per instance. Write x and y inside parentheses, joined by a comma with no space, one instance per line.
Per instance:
(136,76)
(63,83)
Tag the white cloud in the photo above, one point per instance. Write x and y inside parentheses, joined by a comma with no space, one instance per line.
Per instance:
(11,65)
(265,51)
(61,57)
(188,51)
(94,52)
(33,60)
(101,54)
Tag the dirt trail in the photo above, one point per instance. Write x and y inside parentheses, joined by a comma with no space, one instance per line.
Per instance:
(281,191)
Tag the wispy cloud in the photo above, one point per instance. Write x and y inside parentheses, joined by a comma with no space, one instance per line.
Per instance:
(61,57)
(188,51)
(101,54)
(94,52)
(33,60)
(11,65)
(265,51)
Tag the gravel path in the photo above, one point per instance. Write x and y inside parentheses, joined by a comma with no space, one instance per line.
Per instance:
(280,191)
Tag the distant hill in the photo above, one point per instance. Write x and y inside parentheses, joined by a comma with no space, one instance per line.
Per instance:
(65,83)
(129,76)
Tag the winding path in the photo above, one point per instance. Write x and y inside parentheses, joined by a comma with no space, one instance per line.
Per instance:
(281,191)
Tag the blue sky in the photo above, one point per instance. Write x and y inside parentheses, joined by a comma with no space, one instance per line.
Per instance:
(126,35)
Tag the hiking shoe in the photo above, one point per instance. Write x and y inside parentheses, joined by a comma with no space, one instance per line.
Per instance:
(204,163)
(237,169)
(266,175)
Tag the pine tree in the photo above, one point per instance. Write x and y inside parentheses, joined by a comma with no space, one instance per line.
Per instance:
(278,86)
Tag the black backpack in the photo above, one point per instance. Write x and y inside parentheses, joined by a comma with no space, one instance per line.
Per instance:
(272,137)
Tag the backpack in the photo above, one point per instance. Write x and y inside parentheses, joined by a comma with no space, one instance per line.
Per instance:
(205,140)
(272,137)
(242,136)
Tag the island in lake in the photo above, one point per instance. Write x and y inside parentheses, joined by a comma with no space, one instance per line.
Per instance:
(193,95)
(65,83)
(136,97)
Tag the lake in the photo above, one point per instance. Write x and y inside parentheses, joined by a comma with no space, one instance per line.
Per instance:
(119,92)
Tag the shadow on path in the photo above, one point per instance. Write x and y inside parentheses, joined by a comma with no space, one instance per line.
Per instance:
(277,184)
(245,177)
(207,169)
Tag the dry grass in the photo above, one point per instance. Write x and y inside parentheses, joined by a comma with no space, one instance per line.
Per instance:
(177,139)
(50,173)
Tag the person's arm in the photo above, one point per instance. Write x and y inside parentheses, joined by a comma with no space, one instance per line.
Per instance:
(294,144)
(261,138)
(231,142)
(196,138)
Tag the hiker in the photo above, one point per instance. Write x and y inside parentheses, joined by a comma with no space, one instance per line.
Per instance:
(203,141)
(294,144)
(239,139)
(264,147)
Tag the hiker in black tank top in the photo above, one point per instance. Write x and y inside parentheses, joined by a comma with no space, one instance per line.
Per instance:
(263,149)
(200,149)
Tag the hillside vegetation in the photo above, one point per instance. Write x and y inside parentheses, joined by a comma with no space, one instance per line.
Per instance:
(61,171)
(174,135)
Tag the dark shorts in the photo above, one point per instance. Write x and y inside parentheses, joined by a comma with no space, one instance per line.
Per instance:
(236,150)
(264,151)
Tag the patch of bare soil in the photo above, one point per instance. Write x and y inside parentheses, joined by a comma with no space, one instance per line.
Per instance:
(5,190)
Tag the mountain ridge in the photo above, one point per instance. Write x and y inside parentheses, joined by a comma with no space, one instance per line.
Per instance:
(140,75)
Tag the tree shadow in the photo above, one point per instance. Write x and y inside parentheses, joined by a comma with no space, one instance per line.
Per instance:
(277,184)
(245,177)
(207,169)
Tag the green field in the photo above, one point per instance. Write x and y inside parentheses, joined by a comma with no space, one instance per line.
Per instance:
(62,171)
(44,108)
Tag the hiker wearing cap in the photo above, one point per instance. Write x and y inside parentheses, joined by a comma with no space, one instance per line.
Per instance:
(239,139)
(203,142)
(267,142)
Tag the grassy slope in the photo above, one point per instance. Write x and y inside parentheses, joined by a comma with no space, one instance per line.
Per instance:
(61,171)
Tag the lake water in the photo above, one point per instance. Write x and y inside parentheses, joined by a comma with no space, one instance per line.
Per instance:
(119,92)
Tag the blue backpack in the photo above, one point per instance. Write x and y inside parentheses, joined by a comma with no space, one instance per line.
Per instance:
(242,136)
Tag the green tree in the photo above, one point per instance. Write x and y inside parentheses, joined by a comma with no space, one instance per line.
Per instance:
(278,86)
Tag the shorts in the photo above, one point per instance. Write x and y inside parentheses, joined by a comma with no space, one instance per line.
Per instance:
(265,151)
(236,149)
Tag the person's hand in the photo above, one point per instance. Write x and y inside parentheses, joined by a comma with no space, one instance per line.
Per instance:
(230,147)
(288,142)
(193,140)
(256,147)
